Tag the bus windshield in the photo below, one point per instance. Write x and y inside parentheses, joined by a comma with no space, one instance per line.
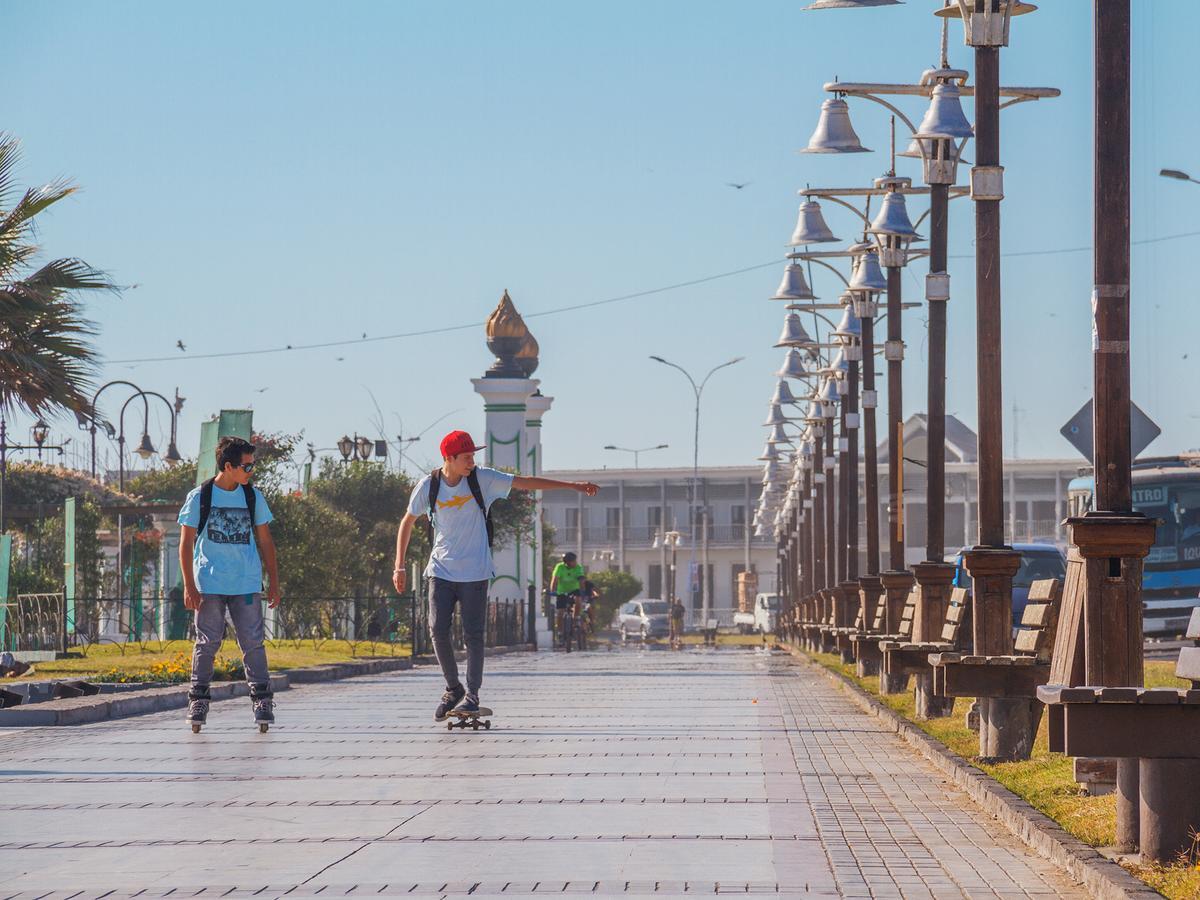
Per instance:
(1177,508)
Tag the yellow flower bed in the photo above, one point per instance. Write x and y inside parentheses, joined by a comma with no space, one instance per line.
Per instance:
(174,670)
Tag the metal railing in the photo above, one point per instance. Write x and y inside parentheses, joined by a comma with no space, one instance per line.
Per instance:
(36,622)
(642,536)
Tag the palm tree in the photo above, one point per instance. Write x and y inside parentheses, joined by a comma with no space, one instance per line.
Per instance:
(46,362)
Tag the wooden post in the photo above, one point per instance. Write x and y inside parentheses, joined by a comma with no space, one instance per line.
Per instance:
(843,516)
(933,599)
(894,352)
(831,502)
(820,489)
(896,586)
(851,405)
(937,294)
(869,594)
(870,446)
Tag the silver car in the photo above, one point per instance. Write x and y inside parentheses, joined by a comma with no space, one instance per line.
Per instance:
(644,618)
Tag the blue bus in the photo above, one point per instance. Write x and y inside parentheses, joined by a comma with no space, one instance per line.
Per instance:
(1167,489)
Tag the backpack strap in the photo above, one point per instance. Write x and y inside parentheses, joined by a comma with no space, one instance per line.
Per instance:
(251,502)
(206,491)
(473,484)
(435,482)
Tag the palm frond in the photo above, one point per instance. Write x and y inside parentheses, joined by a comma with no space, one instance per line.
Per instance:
(10,155)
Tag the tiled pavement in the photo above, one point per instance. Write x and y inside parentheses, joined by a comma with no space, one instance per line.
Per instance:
(628,772)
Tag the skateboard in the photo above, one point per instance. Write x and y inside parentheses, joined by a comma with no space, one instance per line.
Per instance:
(469,719)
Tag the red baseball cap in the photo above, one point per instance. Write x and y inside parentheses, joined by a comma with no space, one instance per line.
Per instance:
(457,442)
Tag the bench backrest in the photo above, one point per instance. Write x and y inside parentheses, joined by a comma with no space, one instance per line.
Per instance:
(880,621)
(1188,666)
(956,615)
(1039,622)
(909,613)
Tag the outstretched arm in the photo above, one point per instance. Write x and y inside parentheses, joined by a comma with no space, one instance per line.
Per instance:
(530,483)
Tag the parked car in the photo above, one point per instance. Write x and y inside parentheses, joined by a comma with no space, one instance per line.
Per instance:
(762,619)
(1038,561)
(644,618)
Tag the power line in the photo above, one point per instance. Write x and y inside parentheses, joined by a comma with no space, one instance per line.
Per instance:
(447,329)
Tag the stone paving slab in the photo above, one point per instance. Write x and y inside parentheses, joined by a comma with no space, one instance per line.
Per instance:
(674,774)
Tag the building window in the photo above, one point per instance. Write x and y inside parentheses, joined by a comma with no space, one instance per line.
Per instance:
(654,586)
(737,521)
(613,523)
(571,532)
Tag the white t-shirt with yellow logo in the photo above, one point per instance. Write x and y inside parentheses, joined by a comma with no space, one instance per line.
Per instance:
(460,544)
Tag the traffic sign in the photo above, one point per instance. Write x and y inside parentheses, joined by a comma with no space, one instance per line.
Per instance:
(1142,431)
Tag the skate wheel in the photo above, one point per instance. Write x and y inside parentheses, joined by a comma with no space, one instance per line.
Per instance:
(195,728)
(487,726)
(262,727)
(449,726)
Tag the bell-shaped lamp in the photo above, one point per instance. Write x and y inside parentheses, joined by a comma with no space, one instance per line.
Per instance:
(834,133)
(779,436)
(793,334)
(793,365)
(794,286)
(849,329)
(172,458)
(867,274)
(769,454)
(945,118)
(776,416)
(783,394)
(810,226)
(145,449)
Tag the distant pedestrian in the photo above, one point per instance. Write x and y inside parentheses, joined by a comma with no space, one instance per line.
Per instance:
(457,498)
(224,531)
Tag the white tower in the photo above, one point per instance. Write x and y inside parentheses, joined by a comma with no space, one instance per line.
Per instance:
(506,389)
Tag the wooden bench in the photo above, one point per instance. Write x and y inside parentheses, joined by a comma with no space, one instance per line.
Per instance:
(867,654)
(1009,677)
(871,645)
(1160,727)
(913,658)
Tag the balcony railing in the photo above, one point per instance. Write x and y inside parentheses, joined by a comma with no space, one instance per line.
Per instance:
(642,536)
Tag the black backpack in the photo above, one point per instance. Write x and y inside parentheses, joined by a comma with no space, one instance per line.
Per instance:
(206,490)
(435,482)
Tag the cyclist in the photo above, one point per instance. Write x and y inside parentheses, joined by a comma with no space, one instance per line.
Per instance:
(565,583)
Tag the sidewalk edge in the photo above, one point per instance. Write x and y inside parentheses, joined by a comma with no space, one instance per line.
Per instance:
(102,707)
(1102,877)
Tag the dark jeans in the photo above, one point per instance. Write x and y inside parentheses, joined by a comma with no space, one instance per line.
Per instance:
(472,596)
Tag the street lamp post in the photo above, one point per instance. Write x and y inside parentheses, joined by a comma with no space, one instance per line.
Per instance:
(701,512)
(41,432)
(636,452)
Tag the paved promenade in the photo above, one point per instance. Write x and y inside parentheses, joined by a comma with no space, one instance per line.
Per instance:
(628,772)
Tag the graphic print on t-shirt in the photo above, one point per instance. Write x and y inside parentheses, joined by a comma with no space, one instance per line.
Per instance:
(455,502)
(229,525)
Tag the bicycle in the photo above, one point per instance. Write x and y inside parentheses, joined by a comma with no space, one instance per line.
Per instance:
(566,618)
(580,621)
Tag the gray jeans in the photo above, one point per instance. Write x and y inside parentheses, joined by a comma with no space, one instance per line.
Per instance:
(472,595)
(245,611)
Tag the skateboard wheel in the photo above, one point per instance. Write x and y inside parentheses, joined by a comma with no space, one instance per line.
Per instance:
(487,725)
(195,728)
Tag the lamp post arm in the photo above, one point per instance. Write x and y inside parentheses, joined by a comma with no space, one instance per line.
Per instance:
(854,209)
(828,266)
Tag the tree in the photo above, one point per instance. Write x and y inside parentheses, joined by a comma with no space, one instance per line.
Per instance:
(317,546)
(376,499)
(172,483)
(615,588)
(47,362)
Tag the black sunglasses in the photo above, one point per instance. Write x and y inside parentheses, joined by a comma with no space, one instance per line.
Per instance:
(247,467)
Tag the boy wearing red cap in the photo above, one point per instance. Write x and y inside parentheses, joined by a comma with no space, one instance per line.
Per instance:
(456,498)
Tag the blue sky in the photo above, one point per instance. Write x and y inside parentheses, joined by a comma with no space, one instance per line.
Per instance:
(291,173)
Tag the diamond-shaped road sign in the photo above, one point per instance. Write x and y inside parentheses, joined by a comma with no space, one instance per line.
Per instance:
(1142,431)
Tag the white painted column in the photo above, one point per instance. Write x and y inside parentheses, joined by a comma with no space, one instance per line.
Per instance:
(536,407)
(505,409)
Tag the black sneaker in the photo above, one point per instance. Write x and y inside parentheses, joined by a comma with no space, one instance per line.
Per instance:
(468,704)
(449,699)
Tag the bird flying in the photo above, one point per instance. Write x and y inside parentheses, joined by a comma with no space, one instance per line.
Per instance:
(181,346)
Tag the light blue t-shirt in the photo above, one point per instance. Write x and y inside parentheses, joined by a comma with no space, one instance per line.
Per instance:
(460,544)
(226,560)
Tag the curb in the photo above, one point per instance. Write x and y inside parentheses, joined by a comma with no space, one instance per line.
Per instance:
(1102,877)
(100,707)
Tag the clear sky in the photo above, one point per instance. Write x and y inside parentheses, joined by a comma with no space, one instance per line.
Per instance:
(279,173)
